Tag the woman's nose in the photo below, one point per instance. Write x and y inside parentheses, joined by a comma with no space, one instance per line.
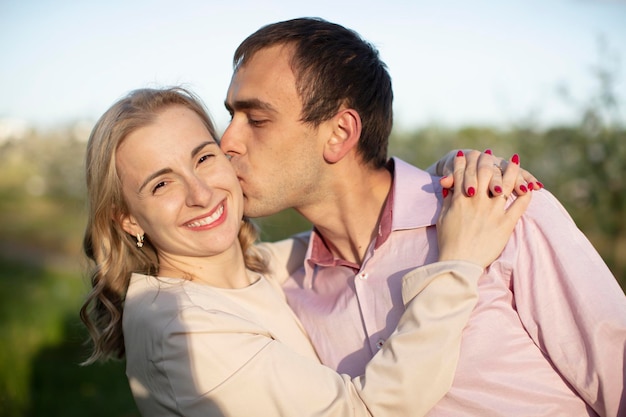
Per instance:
(198,192)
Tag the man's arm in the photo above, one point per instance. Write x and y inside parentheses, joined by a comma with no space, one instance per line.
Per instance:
(571,304)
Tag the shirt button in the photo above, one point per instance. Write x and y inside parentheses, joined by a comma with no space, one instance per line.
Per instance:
(363,275)
(380,343)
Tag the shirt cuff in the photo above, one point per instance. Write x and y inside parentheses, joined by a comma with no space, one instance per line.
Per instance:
(416,280)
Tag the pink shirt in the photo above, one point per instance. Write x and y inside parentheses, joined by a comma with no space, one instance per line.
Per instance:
(547,338)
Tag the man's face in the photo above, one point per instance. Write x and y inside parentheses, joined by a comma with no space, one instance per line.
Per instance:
(277,158)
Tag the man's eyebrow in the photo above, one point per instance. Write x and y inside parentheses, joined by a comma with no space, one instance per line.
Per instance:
(195,151)
(252,104)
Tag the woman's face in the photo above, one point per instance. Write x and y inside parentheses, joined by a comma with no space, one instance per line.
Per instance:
(181,190)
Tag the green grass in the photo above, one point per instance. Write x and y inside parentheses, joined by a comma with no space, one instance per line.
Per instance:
(43,346)
(48,223)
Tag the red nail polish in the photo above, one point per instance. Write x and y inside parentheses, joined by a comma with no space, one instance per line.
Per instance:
(497,189)
(444,192)
(459,153)
(471,191)
(515,159)
(488,151)
(540,185)
(531,186)
(523,188)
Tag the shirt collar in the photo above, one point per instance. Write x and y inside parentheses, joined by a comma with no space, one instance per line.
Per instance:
(409,205)
(417,197)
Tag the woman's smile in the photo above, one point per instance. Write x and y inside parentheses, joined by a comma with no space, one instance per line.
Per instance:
(214,219)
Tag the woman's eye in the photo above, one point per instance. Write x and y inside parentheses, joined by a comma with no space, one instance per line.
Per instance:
(204,158)
(158,186)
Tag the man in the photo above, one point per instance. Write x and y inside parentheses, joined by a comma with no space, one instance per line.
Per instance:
(311,107)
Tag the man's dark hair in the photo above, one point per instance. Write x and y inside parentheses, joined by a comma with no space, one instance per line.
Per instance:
(333,65)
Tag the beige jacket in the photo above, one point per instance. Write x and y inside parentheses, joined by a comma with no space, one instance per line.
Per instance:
(195,350)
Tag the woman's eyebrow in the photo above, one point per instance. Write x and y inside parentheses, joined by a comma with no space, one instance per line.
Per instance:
(195,151)
(153,176)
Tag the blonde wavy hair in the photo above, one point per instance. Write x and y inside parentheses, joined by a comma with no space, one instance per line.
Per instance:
(113,252)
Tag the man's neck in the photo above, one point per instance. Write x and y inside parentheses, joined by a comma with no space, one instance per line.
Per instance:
(348,219)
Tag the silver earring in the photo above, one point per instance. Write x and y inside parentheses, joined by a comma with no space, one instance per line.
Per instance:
(139,240)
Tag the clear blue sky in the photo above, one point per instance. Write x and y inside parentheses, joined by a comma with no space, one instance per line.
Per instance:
(452,62)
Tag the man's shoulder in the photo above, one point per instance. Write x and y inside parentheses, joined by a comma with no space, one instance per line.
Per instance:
(545,209)
(409,176)
(416,195)
(285,256)
(404,168)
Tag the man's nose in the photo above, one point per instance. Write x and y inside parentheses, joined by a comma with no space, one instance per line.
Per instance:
(231,142)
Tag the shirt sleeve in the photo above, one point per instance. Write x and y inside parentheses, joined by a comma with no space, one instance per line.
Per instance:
(571,304)
(220,364)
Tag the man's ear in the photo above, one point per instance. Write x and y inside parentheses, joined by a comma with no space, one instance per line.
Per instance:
(344,136)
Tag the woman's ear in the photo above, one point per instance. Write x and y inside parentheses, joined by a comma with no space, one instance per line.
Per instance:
(344,136)
(129,224)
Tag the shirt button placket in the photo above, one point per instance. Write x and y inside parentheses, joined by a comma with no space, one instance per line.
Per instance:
(364,297)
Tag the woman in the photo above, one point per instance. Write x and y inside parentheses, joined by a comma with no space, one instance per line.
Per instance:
(205,328)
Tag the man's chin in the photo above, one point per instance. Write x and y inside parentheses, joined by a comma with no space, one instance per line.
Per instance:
(250,209)
(253,211)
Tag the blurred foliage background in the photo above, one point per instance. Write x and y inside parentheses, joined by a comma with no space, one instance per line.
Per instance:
(42,214)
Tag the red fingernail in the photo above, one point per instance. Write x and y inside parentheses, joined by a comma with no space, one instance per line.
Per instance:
(515,159)
(444,192)
(459,153)
(540,185)
(497,189)
(523,188)
(471,191)
(488,151)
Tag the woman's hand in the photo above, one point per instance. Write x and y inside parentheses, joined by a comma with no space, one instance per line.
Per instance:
(476,228)
(477,161)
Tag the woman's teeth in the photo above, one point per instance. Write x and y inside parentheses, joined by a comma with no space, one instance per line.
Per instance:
(207,220)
